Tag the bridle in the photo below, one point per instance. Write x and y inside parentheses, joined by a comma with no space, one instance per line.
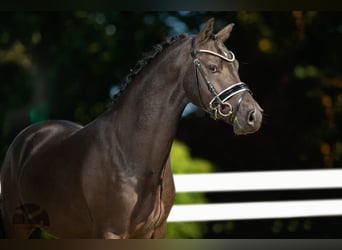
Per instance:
(220,100)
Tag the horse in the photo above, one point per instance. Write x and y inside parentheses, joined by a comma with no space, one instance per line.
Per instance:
(112,178)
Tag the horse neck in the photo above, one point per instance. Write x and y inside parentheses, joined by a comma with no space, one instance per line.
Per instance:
(144,124)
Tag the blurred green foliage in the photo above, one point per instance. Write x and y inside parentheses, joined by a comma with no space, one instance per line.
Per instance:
(182,162)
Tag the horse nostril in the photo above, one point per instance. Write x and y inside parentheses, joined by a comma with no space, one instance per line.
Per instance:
(251,118)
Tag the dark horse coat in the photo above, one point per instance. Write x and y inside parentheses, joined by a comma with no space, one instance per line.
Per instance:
(112,178)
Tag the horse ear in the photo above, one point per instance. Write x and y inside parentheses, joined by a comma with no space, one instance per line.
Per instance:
(207,32)
(225,32)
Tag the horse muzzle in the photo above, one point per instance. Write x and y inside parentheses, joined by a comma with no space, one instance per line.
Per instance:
(248,120)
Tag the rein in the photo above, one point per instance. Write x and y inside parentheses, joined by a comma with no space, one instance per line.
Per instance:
(220,100)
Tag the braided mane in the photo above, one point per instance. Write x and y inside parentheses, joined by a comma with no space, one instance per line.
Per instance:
(157,49)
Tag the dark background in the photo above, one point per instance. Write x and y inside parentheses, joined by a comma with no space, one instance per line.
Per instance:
(63,65)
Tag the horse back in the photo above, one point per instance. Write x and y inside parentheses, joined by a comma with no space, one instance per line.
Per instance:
(34,138)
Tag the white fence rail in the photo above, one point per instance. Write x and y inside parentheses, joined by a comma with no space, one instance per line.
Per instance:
(258,181)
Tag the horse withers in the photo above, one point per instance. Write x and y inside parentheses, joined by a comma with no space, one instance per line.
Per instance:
(112,177)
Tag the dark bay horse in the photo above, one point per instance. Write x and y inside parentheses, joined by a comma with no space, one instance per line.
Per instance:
(112,178)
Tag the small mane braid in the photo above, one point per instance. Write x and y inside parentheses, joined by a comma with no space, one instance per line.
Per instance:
(157,49)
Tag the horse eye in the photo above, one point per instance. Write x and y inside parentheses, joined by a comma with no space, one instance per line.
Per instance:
(213,68)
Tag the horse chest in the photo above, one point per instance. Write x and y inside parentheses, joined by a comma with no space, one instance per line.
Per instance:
(148,210)
(147,218)
(128,208)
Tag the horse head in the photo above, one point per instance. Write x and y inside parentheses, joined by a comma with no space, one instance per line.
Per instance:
(215,85)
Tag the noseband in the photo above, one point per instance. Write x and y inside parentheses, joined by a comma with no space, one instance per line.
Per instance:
(220,100)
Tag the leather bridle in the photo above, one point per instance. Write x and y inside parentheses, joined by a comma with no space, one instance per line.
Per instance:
(219,103)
